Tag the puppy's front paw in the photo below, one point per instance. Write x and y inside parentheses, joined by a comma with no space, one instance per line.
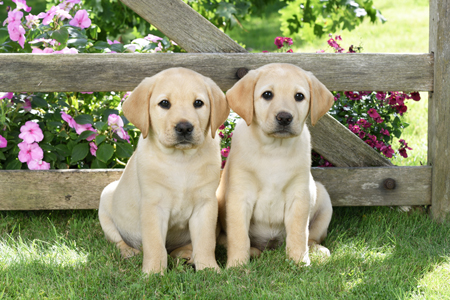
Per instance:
(126,251)
(320,250)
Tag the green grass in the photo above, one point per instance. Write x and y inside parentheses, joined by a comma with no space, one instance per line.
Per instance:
(377,253)
(406,31)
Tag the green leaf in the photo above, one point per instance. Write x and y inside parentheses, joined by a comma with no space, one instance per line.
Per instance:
(84,119)
(99,139)
(105,152)
(101,125)
(13,165)
(124,150)
(97,164)
(50,156)
(48,137)
(61,35)
(38,102)
(85,134)
(77,42)
(62,150)
(47,147)
(101,45)
(79,152)
(2,156)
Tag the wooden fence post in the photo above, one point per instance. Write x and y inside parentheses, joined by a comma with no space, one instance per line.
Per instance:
(439,110)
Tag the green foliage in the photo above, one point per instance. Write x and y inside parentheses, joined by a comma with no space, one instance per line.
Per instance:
(318,17)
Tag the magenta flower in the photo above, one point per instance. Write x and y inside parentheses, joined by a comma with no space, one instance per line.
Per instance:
(353,95)
(380,95)
(415,96)
(112,42)
(279,42)
(3,142)
(373,113)
(30,132)
(225,152)
(288,41)
(93,148)
(223,164)
(22,4)
(68,119)
(81,19)
(29,152)
(222,127)
(384,131)
(290,51)
(221,135)
(387,151)
(38,165)
(27,105)
(7,95)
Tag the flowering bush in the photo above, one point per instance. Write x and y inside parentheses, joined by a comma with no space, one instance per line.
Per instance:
(226,133)
(70,129)
(376,117)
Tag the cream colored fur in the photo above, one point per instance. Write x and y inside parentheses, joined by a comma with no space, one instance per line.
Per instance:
(267,194)
(165,199)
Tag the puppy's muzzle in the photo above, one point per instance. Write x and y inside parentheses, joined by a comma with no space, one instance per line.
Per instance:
(184,129)
(284,118)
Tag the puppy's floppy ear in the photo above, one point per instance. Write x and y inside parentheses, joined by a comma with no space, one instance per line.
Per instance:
(240,96)
(136,106)
(219,107)
(321,98)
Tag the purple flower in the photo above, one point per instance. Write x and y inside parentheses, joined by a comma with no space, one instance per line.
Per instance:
(415,96)
(384,131)
(81,19)
(380,95)
(3,142)
(30,132)
(373,113)
(153,38)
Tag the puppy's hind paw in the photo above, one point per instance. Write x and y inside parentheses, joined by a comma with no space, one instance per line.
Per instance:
(320,250)
(184,253)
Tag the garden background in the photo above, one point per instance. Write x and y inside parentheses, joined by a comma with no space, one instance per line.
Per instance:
(376,252)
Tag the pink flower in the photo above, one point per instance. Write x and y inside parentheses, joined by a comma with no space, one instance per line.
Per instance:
(265,51)
(22,4)
(362,134)
(7,95)
(353,95)
(222,127)
(415,96)
(401,109)
(15,28)
(225,152)
(122,134)
(3,142)
(380,95)
(67,51)
(221,135)
(29,152)
(68,119)
(223,164)
(46,50)
(38,165)
(373,113)
(153,38)
(30,132)
(111,42)
(279,42)
(115,121)
(47,17)
(81,19)
(157,49)
(288,41)
(93,148)
(79,128)
(125,96)
(290,51)
(364,123)
(31,20)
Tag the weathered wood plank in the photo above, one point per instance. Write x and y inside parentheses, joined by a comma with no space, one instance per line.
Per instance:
(123,72)
(342,147)
(181,23)
(81,189)
(365,186)
(439,110)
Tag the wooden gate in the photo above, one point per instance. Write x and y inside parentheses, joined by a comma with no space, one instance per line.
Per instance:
(362,176)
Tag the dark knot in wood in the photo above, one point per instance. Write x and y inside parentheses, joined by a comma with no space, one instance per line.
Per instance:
(68,197)
(389,184)
(241,72)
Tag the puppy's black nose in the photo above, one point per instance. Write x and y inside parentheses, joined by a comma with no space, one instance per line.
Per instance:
(184,128)
(284,118)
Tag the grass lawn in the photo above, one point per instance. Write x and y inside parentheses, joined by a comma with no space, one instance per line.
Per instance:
(377,253)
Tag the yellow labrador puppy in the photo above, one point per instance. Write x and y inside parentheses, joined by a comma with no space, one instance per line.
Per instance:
(267,194)
(165,199)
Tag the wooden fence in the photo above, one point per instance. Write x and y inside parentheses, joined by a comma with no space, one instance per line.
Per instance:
(362,177)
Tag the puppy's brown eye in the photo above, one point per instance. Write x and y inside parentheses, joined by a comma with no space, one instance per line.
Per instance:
(164,104)
(267,95)
(299,97)
(198,103)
